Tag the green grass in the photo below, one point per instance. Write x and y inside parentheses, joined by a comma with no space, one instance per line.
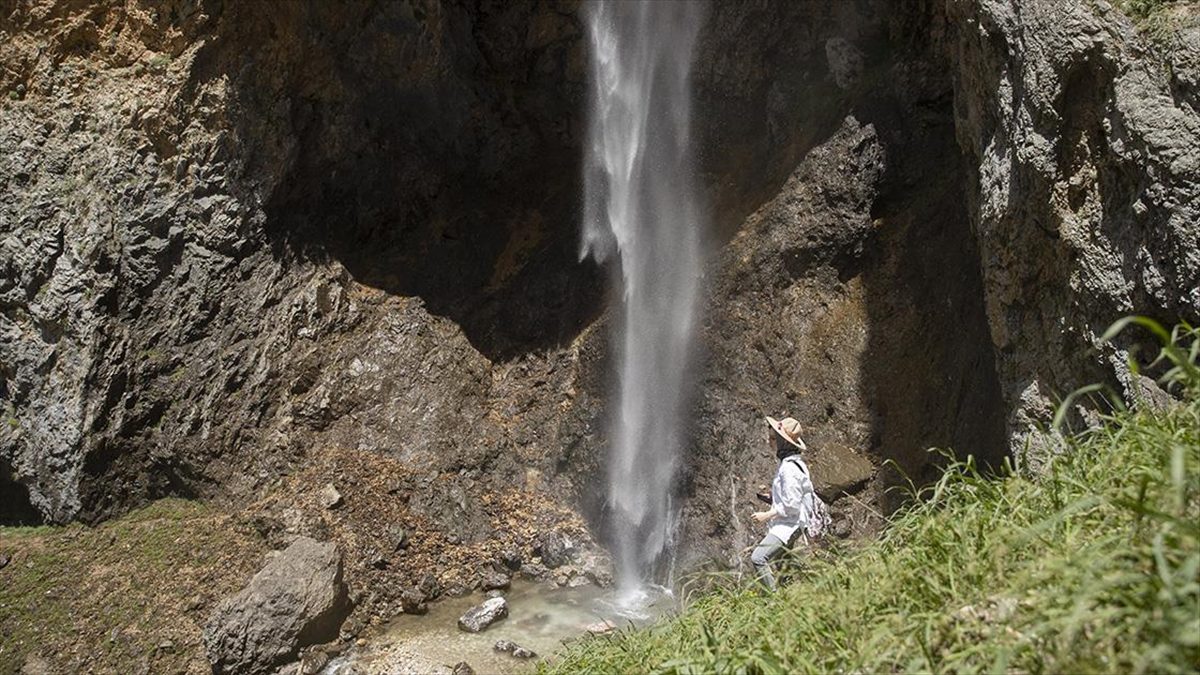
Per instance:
(159,62)
(1161,20)
(1093,566)
(103,598)
(1143,9)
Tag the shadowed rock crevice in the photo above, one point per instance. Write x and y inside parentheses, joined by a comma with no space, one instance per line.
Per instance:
(432,151)
(928,365)
(15,507)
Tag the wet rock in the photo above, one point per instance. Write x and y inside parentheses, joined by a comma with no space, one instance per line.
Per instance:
(600,627)
(495,593)
(457,589)
(534,571)
(462,668)
(555,548)
(330,497)
(597,567)
(523,653)
(412,601)
(495,580)
(479,617)
(510,647)
(298,598)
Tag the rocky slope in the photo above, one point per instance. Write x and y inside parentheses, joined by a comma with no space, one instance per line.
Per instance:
(235,234)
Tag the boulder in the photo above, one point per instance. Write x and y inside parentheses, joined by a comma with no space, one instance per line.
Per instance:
(297,599)
(496,580)
(555,548)
(479,617)
(412,601)
(597,567)
(511,558)
(838,470)
(462,668)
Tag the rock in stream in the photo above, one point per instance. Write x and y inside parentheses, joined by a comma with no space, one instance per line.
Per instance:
(479,617)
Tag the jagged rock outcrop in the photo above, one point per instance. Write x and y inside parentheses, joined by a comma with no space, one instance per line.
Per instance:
(1083,152)
(212,260)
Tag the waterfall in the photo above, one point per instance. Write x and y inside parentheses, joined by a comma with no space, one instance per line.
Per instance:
(641,213)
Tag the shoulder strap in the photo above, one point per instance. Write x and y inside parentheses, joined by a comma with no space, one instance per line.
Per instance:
(797,462)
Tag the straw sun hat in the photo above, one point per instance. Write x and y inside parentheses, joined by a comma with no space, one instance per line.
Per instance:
(789,429)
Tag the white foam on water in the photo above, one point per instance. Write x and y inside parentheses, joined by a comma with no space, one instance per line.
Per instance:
(639,604)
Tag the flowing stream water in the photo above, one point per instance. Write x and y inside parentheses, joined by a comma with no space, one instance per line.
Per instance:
(641,213)
(541,618)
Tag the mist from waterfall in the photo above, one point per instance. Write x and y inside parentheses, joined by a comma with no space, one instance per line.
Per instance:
(641,213)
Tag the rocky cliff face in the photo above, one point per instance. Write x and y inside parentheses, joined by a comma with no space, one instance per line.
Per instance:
(1083,148)
(236,233)
(232,230)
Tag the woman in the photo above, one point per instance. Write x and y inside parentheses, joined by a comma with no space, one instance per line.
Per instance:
(791,497)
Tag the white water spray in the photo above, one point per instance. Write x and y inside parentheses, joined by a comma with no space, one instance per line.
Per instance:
(641,211)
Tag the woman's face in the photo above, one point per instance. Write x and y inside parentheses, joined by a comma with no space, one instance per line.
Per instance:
(777,442)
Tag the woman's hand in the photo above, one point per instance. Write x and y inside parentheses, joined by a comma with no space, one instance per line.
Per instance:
(762,516)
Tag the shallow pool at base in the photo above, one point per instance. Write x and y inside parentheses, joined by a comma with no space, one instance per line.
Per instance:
(540,617)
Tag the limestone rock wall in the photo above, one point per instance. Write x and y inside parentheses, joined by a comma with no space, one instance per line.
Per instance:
(1082,144)
(235,232)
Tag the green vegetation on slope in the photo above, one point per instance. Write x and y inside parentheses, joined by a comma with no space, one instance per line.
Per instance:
(1162,20)
(1092,567)
(126,596)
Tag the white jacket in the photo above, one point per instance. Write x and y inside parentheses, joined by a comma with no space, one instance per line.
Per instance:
(791,498)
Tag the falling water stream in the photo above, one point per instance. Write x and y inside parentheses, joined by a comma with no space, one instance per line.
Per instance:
(641,213)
